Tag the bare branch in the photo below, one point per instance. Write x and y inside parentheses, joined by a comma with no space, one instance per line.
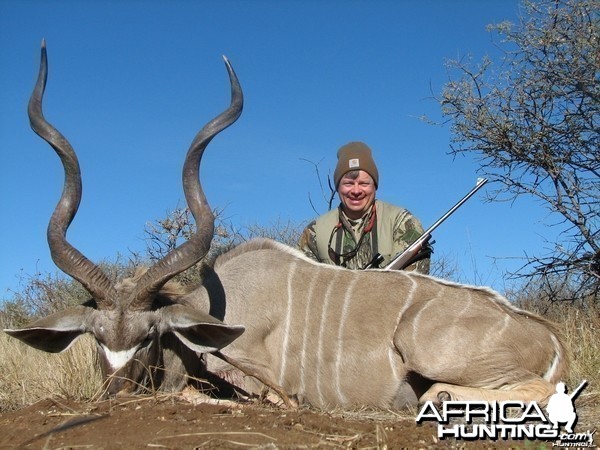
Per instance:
(531,121)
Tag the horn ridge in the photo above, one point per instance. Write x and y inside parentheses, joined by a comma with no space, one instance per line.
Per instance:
(198,245)
(65,256)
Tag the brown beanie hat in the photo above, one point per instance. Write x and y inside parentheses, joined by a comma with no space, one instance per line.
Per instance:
(355,156)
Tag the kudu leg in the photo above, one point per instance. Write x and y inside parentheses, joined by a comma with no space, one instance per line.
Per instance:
(538,390)
(253,373)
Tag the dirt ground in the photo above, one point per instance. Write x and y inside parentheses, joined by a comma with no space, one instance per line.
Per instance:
(175,422)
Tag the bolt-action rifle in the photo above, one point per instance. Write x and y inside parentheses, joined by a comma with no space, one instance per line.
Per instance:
(421,248)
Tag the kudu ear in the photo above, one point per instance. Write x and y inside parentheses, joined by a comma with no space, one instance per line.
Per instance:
(55,332)
(197,330)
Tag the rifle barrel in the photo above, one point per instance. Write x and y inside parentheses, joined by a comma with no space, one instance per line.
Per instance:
(479,185)
(428,231)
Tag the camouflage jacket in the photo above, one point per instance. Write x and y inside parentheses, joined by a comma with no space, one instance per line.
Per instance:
(386,229)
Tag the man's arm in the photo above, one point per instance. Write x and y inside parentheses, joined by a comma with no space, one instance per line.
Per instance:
(308,242)
(406,231)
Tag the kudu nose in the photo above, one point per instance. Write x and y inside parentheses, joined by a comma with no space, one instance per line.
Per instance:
(118,386)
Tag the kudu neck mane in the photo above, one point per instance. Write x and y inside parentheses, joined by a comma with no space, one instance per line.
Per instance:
(166,295)
(257,245)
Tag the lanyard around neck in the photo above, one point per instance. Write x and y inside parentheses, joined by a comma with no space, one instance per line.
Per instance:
(336,255)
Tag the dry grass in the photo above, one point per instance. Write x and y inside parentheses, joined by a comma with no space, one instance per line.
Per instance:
(28,375)
(582,333)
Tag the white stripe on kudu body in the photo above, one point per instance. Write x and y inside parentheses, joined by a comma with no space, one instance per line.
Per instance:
(339,341)
(324,324)
(306,330)
(288,321)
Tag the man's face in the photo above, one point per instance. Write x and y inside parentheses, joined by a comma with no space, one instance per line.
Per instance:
(357,193)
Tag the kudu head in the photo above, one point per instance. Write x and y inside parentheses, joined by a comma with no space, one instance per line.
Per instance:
(128,319)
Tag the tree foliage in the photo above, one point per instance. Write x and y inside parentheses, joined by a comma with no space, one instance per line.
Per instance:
(531,120)
(178,225)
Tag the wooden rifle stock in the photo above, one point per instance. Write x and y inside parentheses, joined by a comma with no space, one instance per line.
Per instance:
(411,254)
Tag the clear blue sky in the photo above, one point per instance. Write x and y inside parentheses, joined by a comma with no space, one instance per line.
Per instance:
(131,82)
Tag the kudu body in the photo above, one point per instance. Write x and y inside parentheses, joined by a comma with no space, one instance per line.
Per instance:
(327,335)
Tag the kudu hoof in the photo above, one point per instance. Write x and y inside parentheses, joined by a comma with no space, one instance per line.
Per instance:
(444,396)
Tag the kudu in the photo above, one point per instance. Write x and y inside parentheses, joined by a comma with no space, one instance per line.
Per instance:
(326,335)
